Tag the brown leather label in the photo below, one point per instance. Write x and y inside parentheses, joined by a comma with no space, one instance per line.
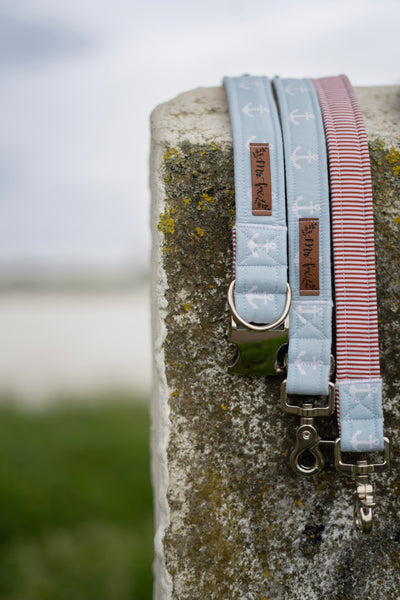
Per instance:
(309,257)
(261,179)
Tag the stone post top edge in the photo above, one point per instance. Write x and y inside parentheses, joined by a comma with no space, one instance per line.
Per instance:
(201,115)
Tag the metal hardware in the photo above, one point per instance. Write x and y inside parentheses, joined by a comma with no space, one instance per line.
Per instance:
(308,440)
(308,410)
(257,351)
(363,503)
(364,500)
(362,467)
(251,326)
(257,347)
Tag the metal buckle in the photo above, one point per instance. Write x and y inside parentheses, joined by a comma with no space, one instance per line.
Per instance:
(308,440)
(257,345)
(364,500)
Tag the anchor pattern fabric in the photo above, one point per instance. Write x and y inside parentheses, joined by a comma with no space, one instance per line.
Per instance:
(260,254)
(260,268)
(361,415)
(322,128)
(310,331)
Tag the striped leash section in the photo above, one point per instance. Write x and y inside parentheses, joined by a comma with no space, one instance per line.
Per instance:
(358,383)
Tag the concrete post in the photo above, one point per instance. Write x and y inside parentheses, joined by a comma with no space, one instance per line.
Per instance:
(233,522)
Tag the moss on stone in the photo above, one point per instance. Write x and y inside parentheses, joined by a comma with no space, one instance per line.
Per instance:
(244,526)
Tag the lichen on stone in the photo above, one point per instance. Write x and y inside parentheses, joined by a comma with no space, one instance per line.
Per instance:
(243,526)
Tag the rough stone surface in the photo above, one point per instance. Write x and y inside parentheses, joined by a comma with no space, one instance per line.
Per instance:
(233,522)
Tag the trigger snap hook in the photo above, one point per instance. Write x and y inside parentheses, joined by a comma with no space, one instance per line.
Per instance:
(307,441)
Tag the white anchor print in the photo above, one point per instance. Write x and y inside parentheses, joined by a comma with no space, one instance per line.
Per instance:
(315,311)
(355,391)
(248,110)
(295,157)
(251,296)
(247,85)
(291,88)
(253,245)
(312,208)
(294,117)
(369,444)
(299,362)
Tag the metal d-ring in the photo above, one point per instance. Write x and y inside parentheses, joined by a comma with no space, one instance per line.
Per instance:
(241,321)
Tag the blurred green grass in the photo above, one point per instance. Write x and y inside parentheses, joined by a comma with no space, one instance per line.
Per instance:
(75,501)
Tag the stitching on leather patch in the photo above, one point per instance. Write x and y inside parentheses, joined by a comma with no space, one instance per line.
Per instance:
(260,179)
(309,256)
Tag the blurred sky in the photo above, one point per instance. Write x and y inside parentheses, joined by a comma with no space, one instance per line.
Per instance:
(79,78)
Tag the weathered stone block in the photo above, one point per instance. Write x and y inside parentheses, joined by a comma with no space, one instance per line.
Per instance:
(233,522)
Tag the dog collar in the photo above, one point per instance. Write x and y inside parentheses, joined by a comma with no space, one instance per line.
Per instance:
(259,296)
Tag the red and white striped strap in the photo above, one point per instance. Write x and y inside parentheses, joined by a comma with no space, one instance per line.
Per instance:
(359,386)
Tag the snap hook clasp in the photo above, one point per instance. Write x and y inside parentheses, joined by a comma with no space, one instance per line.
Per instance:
(306,457)
(364,500)
(364,503)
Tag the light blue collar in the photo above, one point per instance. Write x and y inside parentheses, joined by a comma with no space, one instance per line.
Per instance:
(260,261)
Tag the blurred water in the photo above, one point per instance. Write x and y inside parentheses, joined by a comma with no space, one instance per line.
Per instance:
(54,342)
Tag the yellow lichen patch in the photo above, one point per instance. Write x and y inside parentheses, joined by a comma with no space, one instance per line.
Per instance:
(187,200)
(223,406)
(170,153)
(199,231)
(393,156)
(215,146)
(393,159)
(186,306)
(299,502)
(166,224)
(200,205)
(174,394)
(207,198)
(379,144)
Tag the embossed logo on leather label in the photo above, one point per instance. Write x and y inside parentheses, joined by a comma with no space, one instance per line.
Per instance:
(261,179)
(309,257)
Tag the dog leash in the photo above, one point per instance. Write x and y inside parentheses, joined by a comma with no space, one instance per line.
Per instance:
(309,233)
(259,296)
(358,381)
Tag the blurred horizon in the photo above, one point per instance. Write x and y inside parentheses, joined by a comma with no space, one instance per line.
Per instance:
(78,83)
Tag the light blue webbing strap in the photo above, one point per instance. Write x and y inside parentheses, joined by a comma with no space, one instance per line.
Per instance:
(260,236)
(307,188)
